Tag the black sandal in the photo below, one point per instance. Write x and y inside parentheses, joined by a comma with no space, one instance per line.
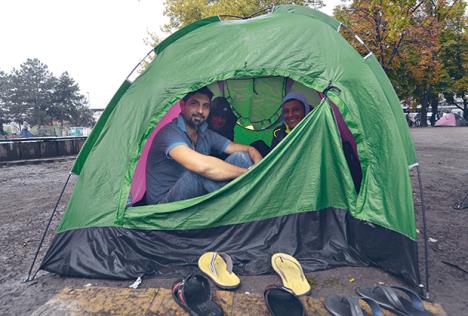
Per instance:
(282,301)
(193,294)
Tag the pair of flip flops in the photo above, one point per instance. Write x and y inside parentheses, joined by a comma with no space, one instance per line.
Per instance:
(386,296)
(218,267)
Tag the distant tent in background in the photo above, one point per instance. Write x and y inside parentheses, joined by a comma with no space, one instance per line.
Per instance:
(450,119)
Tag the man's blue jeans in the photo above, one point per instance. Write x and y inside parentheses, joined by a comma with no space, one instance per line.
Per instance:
(191,184)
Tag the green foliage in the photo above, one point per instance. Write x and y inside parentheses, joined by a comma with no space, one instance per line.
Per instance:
(31,92)
(68,103)
(385,26)
(454,56)
(81,115)
(4,82)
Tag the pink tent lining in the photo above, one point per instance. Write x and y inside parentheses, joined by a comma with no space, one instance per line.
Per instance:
(138,187)
(345,133)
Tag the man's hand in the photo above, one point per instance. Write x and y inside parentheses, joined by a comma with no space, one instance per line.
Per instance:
(253,153)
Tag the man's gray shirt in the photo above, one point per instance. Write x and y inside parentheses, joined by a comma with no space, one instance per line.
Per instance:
(162,172)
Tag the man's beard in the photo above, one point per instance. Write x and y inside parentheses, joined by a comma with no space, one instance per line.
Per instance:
(195,121)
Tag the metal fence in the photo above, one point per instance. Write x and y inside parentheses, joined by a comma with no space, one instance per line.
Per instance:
(36,148)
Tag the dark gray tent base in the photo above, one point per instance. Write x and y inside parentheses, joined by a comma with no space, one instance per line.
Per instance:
(319,240)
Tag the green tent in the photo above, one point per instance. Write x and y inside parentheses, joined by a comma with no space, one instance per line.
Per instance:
(335,192)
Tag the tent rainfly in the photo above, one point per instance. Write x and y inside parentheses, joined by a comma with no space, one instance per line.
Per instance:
(335,192)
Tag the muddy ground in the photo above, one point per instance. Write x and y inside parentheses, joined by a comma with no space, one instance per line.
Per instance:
(28,194)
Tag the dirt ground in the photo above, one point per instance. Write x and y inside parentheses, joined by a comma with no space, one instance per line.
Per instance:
(28,194)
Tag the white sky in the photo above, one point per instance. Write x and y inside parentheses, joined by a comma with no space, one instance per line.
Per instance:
(98,42)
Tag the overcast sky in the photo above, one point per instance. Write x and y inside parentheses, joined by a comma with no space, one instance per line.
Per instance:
(98,42)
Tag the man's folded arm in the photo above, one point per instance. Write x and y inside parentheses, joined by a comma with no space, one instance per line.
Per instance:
(253,153)
(207,166)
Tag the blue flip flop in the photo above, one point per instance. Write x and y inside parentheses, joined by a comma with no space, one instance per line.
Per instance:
(349,306)
(409,304)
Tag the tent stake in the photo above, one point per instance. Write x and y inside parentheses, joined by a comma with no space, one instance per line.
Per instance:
(28,279)
(425,289)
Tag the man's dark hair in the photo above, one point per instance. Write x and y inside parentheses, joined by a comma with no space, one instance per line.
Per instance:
(204,91)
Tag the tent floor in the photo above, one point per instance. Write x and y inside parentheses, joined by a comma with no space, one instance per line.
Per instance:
(158,301)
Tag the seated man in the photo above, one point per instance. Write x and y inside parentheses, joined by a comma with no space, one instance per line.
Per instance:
(295,107)
(179,163)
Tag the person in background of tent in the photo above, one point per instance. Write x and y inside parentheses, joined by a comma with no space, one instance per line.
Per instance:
(25,133)
(222,120)
(295,107)
(179,162)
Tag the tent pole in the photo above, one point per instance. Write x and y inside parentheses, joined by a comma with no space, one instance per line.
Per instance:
(28,279)
(139,63)
(425,289)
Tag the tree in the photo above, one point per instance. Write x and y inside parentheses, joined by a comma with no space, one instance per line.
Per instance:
(82,116)
(31,93)
(4,83)
(385,26)
(67,100)
(421,56)
(426,62)
(405,37)
(454,57)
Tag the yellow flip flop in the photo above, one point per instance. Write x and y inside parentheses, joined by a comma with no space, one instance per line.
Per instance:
(290,271)
(218,267)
